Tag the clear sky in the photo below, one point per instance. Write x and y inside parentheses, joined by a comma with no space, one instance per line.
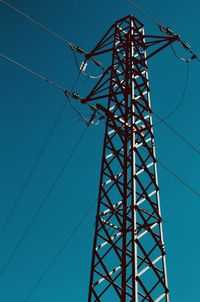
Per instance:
(28,108)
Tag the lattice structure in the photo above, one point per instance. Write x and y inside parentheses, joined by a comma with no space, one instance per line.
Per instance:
(128,261)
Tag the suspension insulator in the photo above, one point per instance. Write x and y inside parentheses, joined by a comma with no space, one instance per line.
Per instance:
(93,108)
(83,66)
(80,50)
(186,45)
(76,96)
(169,31)
(97,63)
(166,30)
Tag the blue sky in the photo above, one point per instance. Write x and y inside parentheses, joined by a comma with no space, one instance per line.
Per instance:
(28,107)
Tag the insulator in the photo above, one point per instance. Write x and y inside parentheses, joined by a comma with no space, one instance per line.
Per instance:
(83,66)
(80,50)
(166,30)
(169,31)
(93,108)
(97,63)
(76,96)
(186,45)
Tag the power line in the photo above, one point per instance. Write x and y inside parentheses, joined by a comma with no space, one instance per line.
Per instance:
(54,84)
(86,128)
(144,13)
(67,92)
(44,201)
(167,30)
(84,63)
(40,152)
(72,46)
(69,238)
(36,22)
(32,169)
(54,259)
(181,99)
(30,173)
(82,117)
(186,184)
(177,134)
(178,56)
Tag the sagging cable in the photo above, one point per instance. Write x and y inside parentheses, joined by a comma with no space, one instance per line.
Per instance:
(93,108)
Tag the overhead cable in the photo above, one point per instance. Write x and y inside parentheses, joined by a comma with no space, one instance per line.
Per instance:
(54,84)
(83,66)
(69,238)
(144,13)
(180,101)
(35,163)
(72,46)
(30,173)
(83,118)
(59,252)
(42,204)
(33,72)
(177,134)
(167,31)
(35,22)
(186,184)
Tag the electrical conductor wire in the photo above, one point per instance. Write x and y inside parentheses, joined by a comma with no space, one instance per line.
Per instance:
(177,134)
(181,99)
(70,44)
(64,89)
(32,170)
(160,25)
(60,251)
(44,201)
(2,228)
(54,84)
(144,13)
(35,22)
(186,184)
(69,238)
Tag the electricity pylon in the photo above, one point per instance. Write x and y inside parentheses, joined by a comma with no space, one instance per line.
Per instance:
(128,259)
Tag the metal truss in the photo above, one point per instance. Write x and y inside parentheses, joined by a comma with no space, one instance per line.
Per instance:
(128,260)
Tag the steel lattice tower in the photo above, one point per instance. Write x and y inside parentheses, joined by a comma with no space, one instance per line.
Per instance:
(128,260)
